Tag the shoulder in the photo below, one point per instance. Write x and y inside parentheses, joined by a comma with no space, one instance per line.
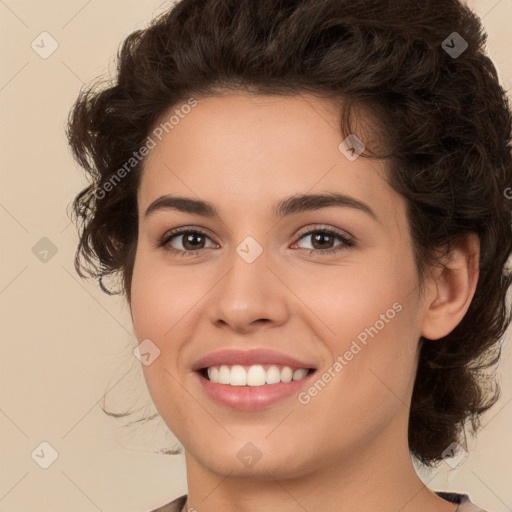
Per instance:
(173,506)
(465,504)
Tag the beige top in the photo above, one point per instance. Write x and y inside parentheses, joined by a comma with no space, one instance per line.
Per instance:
(465,504)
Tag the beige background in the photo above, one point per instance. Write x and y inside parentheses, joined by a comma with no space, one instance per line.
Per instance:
(64,343)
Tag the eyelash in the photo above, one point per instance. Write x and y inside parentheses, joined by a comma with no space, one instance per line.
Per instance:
(346,242)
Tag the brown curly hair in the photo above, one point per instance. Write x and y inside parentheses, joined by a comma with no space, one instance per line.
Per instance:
(443,124)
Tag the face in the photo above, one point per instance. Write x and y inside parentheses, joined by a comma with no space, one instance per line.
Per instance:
(333,287)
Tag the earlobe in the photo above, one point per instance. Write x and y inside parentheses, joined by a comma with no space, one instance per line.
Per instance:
(451,289)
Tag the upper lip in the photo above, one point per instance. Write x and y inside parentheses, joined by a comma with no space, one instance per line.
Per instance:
(247,358)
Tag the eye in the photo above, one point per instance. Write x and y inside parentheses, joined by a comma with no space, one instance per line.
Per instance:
(322,239)
(192,240)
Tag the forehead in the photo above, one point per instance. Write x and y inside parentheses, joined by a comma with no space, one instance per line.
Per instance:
(245,150)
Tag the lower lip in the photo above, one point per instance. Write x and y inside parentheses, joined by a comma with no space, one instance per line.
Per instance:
(251,398)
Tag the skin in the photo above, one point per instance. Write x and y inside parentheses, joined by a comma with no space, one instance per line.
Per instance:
(347,448)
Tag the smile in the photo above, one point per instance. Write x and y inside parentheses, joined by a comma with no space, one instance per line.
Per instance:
(245,388)
(254,375)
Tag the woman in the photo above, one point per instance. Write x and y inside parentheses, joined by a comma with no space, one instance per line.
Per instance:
(305,202)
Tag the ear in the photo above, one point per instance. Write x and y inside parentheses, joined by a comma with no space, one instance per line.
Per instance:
(451,289)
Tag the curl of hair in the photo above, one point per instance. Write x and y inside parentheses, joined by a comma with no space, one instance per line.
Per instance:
(443,125)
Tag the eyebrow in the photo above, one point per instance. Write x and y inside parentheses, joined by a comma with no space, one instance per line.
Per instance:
(291,205)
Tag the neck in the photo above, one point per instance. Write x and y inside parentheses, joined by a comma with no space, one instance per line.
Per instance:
(378,476)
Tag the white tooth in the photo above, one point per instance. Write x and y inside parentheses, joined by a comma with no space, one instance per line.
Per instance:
(213,373)
(256,375)
(224,373)
(286,374)
(238,376)
(273,375)
(299,374)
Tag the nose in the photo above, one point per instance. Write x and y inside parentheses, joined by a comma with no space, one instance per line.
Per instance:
(250,296)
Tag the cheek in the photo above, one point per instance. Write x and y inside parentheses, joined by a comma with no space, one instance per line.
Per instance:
(373,321)
(348,299)
(161,297)
(159,306)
